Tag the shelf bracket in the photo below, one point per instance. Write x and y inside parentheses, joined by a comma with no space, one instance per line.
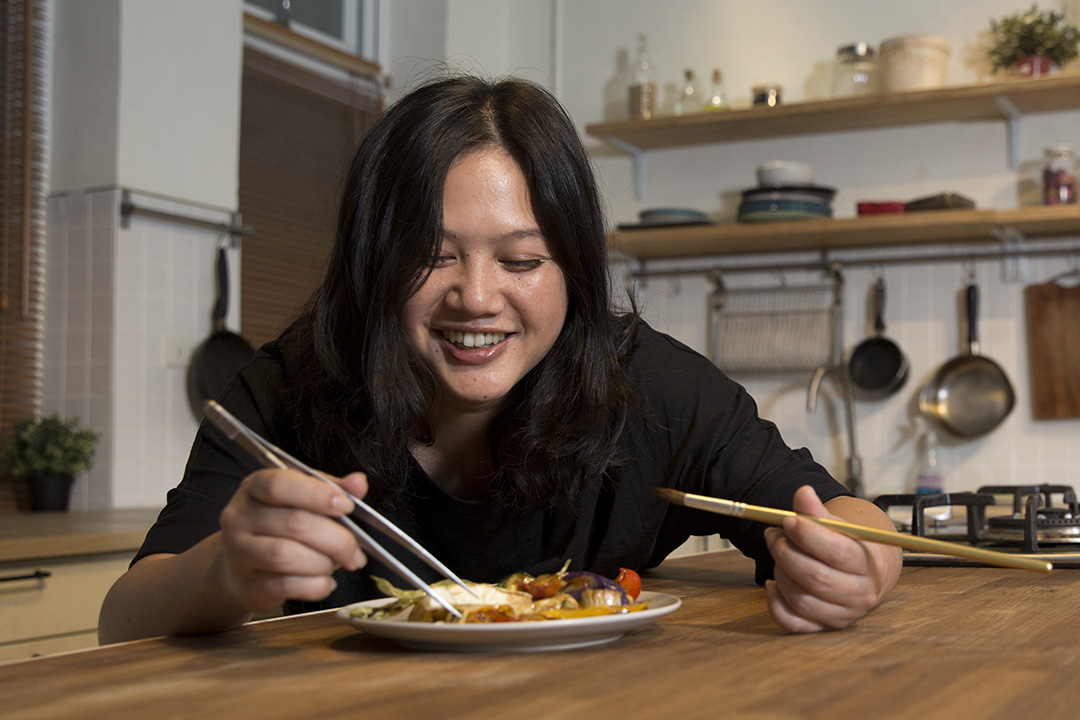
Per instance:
(638,158)
(1013,120)
(1013,261)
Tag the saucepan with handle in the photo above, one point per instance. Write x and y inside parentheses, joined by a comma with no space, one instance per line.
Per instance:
(969,395)
(221,355)
(877,365)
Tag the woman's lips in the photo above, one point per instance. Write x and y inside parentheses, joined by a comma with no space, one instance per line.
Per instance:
(474,348)
(467,340)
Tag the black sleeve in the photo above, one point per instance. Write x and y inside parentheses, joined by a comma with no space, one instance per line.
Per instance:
(707,429)
(215,466)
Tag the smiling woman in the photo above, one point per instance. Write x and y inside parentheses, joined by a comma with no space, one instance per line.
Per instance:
(464,355)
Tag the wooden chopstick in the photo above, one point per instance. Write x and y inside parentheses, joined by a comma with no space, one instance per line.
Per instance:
(909,542)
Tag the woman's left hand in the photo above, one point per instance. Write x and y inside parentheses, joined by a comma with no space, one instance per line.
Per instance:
(824,580)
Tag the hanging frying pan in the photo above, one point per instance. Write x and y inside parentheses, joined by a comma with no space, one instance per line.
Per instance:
(969,395)
(877,365)
(217,360)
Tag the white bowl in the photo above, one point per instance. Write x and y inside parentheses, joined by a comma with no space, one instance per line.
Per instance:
(784,172)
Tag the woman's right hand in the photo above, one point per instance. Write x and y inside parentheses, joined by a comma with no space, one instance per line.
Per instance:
(280,540)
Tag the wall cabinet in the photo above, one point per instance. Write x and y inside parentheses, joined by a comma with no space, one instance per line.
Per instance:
(1009,101)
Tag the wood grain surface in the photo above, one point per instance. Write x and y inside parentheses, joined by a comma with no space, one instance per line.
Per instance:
(949,643)
(1053,333)
(29,536)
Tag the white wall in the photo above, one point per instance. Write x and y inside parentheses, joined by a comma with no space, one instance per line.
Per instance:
(86,90)
(180,72)
(146,96)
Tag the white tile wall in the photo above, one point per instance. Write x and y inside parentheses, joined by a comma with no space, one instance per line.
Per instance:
(923,315)
(122,303)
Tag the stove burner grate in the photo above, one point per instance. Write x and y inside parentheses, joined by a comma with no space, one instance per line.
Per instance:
(1034,519)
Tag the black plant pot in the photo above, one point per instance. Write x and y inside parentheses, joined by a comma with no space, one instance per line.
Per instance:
(50,493)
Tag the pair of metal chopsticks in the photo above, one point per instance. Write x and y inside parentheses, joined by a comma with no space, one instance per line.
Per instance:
(272,456)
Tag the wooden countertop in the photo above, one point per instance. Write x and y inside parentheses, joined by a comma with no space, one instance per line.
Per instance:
(949,643)
(30,536)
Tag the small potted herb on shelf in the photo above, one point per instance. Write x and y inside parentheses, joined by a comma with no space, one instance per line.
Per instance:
(1032,42)
(47,454)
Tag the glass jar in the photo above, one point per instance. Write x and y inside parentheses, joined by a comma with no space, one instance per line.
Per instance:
(765,95)
(1059,175)
(853,71)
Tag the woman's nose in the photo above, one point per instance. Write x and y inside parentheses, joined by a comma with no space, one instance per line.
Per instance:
(477,289)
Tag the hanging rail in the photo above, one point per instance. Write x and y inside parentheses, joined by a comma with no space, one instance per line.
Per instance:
(129,208)
(827,263)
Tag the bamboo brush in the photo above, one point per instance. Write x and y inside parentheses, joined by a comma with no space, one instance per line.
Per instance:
(909,542)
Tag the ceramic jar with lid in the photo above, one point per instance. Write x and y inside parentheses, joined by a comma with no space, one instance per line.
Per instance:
(914,62)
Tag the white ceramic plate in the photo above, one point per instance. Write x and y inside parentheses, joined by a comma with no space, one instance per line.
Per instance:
(515,636)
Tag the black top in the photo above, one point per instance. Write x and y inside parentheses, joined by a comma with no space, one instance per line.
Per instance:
(699,433)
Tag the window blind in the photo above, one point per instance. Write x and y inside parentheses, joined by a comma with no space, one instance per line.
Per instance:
(299,129)
(23,33)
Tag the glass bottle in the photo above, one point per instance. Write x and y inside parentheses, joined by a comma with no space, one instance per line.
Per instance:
(1059,175)
(690,97)
(853,70)
(642,91)
(928,477)
(717,97)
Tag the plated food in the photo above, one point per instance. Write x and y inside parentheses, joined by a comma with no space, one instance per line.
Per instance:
(517,598)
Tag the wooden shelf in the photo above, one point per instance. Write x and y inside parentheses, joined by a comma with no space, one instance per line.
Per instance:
(933,226)
(1007,100)
(1000,100)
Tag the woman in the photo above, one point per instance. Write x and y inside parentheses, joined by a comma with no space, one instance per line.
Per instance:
(462,352)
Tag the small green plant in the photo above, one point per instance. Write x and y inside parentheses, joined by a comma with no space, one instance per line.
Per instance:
(50,446)
(1033,32)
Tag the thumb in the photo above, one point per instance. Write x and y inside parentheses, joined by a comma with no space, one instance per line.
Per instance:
(807,502)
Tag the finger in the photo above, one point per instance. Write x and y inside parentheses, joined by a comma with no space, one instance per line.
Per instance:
(292,488)
(355,484)
(814,576)
(835,548)
(264,538)
(810,541)
(807,502)
(812,608)
(243,523)
(277,555)
(264,592)
(782,613)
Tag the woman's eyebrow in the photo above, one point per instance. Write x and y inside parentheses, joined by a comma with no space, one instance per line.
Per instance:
(524,233)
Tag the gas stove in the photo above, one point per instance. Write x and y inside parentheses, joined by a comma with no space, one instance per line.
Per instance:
(1043,522)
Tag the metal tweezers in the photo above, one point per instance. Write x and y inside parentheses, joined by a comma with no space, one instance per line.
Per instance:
(272,456)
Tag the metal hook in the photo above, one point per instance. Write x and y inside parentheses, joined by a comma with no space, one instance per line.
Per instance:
(968,269)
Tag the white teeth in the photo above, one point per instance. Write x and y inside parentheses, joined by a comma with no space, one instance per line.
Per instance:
(473,340)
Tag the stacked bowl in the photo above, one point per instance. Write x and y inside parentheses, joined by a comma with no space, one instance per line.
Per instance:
(785,191)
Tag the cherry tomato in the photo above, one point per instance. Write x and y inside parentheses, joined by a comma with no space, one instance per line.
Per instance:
(630,582)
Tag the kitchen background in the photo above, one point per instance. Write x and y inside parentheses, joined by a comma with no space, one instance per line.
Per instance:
(145,97)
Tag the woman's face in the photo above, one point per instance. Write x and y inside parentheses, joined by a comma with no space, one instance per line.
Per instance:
(496,300)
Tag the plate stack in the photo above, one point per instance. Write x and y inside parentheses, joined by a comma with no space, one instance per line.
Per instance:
(786,191)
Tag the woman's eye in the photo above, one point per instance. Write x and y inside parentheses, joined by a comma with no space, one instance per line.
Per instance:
(442,260)
(520,265)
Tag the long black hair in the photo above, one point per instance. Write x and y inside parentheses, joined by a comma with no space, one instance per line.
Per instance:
(360,388)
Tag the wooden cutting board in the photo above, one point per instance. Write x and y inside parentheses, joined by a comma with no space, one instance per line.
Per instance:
(1053,330)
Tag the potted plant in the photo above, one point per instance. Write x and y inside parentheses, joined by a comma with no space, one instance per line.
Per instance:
(47,454)
(1031,42)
